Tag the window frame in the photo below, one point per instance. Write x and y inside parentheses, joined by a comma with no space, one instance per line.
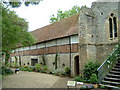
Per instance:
(113,26)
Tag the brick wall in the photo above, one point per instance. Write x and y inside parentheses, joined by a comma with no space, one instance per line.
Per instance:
(49,50)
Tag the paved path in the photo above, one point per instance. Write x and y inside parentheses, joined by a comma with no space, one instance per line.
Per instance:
(29,80)
(26,79)
(34,80)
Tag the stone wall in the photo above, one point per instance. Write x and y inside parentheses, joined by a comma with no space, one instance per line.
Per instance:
(62,61)
(66,49)
(94,32)
(93,37)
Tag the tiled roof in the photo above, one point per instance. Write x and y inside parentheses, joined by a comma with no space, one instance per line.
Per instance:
(62,28)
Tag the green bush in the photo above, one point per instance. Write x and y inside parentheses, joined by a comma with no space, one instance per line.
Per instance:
(102,87)
(44,69)
(89,69)
(32,68)
(37,66)
(24,69)
(8,64)
(63,73)
(78,79)
(26,66)
(93,78)
(14,65)
(56,72)
(6,70)
(67,70)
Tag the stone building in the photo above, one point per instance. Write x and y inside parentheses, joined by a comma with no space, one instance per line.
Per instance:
(89,35)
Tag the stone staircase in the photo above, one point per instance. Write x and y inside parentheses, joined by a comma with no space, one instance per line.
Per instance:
(112,80)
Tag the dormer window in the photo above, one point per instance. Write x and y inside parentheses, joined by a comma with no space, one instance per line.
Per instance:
(112,26)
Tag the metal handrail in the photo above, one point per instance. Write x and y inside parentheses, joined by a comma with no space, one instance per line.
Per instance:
(105,67)
(106,59)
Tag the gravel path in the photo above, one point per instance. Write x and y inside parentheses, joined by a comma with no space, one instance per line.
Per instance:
(29,80)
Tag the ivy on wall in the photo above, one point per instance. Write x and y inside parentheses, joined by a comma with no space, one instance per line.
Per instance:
(56,59)
(43,58)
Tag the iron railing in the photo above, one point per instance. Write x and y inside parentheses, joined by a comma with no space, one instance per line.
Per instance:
(108,64)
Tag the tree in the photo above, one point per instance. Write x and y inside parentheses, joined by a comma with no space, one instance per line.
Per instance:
(18,3)
(14,31)
(61,15)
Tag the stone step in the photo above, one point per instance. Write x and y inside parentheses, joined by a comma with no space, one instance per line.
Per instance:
(112,79)
(119,61)
(113,76)
(109,86)
(116,69)
(111,83)
(117,66)
(115,72)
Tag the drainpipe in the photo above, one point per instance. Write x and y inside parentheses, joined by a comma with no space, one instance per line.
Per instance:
(70,54)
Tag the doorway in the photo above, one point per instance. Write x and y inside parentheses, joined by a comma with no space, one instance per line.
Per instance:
(76,65)
(34,61)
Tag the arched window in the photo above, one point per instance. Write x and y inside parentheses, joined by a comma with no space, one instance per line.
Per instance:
(115,27)
(112,26)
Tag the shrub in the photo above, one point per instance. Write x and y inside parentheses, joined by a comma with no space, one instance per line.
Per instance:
(44,69)
(102,87)
(26,66)
(89,69)
(14,65)
(56,72)
(93,78)
(67,70)
(8,64)
(6,70)
(24,69)
(63,73)
(32,68)
(79,79)
(37,66)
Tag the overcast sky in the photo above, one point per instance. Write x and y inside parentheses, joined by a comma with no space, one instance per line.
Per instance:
(39,15)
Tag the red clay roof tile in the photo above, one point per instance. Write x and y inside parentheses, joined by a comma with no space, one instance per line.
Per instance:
(62,28)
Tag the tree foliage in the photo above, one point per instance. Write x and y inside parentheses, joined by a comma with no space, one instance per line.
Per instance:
(61,15)
(18,3)
(14,31)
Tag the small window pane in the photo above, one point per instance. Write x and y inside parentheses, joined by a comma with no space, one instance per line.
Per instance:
(110,28)
(115,27)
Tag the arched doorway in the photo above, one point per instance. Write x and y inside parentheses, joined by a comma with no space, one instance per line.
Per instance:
(76,65)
